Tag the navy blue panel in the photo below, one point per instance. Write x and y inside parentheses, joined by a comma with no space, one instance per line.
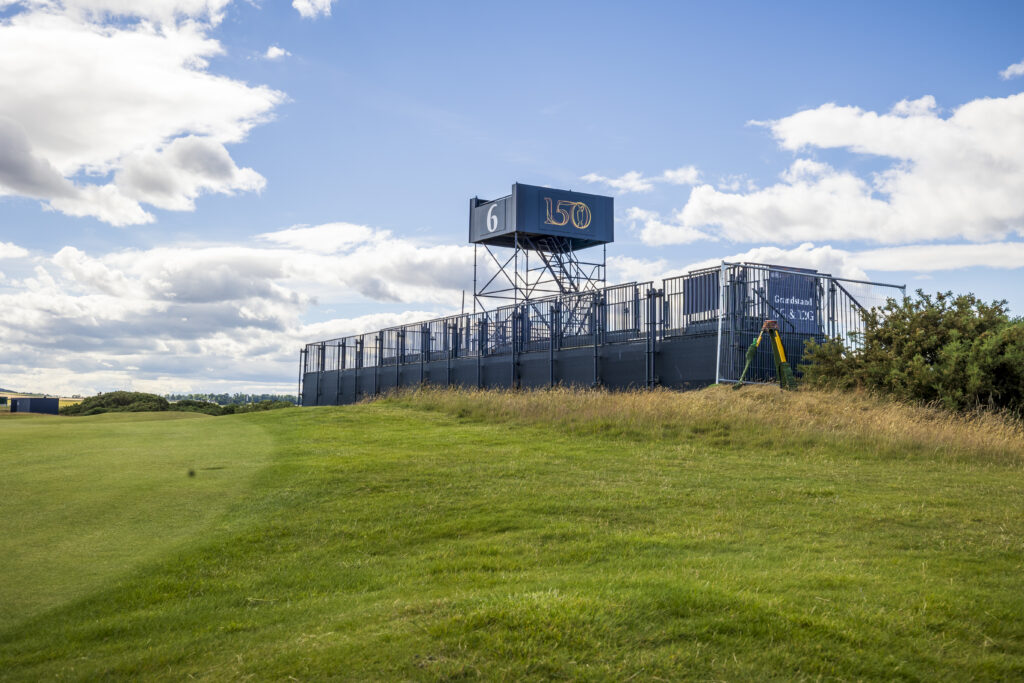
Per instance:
(700,293)
(681,362)
(328,388)
(622,366)
(794,297)
(688,361)
(47,406)
(490,220)
(534,370)
(309,388)
(559,217)
(464,372)
(348,388)
(546,211)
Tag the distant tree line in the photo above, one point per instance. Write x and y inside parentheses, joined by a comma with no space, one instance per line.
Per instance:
(231,399)
(954,351)
(139,402)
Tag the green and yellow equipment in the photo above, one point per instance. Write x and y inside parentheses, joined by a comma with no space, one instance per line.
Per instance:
(782,369)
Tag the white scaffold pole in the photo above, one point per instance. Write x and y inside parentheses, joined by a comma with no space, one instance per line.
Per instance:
(721,314)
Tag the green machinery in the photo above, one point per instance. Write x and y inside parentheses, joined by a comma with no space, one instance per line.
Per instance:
(782,369)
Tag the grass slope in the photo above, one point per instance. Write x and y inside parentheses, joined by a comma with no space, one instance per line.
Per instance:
(82,504)
(713,534)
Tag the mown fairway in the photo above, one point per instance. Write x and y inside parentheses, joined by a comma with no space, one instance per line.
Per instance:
(713,534)
(83,502)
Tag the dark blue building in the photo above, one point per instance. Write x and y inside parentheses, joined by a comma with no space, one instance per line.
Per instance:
(48,406)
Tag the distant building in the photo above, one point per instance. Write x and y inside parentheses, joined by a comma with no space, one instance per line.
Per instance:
(48,406)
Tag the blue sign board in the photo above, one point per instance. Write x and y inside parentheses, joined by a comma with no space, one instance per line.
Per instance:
(491,221)
(794,297)
(701,295)
(575,219)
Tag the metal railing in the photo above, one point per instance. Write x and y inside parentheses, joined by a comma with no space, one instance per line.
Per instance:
(806,304)
(691,302)
(731,301)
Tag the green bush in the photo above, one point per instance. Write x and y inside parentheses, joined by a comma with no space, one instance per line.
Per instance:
(118,402)
(955,351)
(256,407)
(138,402)
(192,406)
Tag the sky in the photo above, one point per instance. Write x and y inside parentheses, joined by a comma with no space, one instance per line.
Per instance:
(191,190)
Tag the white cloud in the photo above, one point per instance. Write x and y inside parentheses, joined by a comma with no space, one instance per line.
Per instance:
(72,115)
(634,181)
(934,257)
(12,251)
(105,202)
(685,175)
(181,318)
(631,181)
(204,317)
(814,198)
(375,264)
(1012,71)
(630,269)
(311,9)
(251,360)
(344,327)
(275,52)
(916,258)
(24,173)
(950,178)
(157,11)
(173,177)
(923,106)
(736,182)
(824,259)
(327,239)
(656,231)
(852,264)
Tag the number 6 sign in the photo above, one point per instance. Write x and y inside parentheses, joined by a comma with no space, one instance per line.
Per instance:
(492,220)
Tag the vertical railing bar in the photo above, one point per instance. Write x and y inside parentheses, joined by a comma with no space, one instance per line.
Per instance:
(551,346)
(302,373)
(721,306)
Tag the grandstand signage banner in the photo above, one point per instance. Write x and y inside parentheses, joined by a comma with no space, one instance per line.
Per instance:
(538,212)
(794,297)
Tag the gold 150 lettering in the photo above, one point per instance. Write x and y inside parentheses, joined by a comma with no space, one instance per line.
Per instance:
(576,213)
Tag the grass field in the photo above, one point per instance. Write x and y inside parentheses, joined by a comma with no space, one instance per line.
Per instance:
(713,534)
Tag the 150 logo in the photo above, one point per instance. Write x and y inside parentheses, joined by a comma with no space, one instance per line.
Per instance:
(576,213)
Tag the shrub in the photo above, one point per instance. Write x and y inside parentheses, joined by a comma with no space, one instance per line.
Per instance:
(192,406)
(256,407)
(118,402)
(138,402)
(956,351)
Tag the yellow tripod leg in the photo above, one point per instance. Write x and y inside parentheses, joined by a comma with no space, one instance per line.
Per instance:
(786,378)
(778,345)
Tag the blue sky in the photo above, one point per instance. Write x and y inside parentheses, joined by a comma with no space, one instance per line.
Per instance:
(194,188)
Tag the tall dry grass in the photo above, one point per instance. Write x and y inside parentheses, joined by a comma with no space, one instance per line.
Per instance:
(760,412)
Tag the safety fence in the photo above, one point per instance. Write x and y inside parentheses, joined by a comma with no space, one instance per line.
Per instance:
(806,305)
(731,301)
